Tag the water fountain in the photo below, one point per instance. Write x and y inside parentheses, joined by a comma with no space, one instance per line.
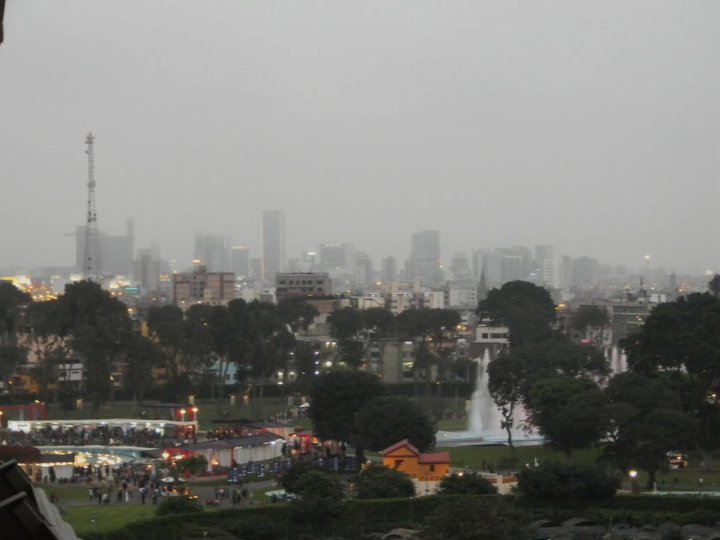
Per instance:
(484,419)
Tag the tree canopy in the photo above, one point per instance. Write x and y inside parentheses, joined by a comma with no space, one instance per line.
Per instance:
(336,397)
(681,340)
(383,421)
(526,309)
(646,420)
(99,330)
(570,413)
(512,374)
(379,482)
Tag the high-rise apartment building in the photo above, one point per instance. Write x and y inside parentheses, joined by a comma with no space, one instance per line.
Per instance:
(201,286)
(389,269)
(273,244)
(211,250)
(240,261)
(363,270)
(424,261)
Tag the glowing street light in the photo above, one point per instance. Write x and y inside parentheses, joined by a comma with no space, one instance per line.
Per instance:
(632,478)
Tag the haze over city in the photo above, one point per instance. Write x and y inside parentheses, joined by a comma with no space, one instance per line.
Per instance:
(591,126)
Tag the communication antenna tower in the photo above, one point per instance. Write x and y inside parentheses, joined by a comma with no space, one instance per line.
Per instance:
(91,258)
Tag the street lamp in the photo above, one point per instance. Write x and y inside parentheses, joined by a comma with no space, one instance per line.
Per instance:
(182,415)
(632,480)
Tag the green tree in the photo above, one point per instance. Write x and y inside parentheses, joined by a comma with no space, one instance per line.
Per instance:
(291,480)
(50,348)
(526,309)
(570,413)
(432,327)
(466,484)
(379,321)
(714,286)
(514,371)
(507,378)
(385,420)
(336,397)
(320,496)
(590,321)
(681,340)
(297,313)
(646,421)
(13,303)
(566,482)
(166,325)
(477,518)
(98,328)
(305,359)
(345,323)
(142,356)
(380,482)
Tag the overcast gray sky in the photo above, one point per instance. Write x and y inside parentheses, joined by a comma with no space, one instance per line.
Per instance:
(591,125)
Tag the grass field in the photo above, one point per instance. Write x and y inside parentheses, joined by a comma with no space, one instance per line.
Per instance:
(207,410)
(105,518)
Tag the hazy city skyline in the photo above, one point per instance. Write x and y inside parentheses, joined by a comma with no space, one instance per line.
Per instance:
(591,126)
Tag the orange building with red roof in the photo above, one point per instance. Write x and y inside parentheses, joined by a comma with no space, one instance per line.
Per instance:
(404,457)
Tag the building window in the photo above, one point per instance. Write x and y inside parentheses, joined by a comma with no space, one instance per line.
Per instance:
(398,463)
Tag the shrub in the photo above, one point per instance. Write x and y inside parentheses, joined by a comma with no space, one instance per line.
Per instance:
(291,479)
(380,482)
(178,505)
(557,481)
(477,518)
(320,496)
(466,484)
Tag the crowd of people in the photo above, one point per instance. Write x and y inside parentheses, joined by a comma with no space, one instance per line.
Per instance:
(103,435)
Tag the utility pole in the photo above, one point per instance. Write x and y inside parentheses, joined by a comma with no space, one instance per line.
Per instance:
(91,257)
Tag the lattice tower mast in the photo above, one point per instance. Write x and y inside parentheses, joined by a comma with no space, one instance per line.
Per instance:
(91,258)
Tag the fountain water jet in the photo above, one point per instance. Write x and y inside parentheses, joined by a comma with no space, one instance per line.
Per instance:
(485,419)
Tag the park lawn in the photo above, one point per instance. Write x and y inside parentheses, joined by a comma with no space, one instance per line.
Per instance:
(452,424)
(106,517)
(502,458)
(68,492)
(257,408)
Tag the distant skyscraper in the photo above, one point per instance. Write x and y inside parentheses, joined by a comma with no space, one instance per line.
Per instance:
(240,261)
(336,257)
(424,262)
(147,270)
(363,271)
(389,269)
(212,252)
(460,268)
(273,243)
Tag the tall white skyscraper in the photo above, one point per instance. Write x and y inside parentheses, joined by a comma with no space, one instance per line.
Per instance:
(273,244)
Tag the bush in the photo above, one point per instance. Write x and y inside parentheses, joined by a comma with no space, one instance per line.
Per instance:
(178,505)
(557,481)
(477,518)
(256,528)
(320,497)
(291,479)
(379,482)
(466,484)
